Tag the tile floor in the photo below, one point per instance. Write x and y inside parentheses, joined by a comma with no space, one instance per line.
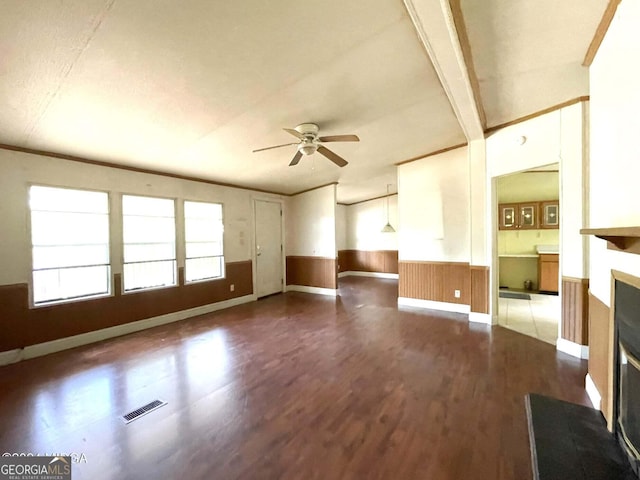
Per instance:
(537,317)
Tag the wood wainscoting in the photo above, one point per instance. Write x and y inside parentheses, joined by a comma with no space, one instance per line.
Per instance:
(378,261)
(600,352)
(435,281)
(575,310)
(318,272)
(22,326)
(479,288)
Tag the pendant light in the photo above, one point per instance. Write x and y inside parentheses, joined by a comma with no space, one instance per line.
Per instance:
(388,228)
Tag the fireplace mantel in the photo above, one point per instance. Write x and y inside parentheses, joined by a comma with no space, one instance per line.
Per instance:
(625,239)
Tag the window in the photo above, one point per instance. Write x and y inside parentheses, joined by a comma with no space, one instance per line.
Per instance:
(149,235)
(203,241)
(70,243)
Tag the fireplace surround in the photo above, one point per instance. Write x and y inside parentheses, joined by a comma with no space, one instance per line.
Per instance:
(572,441)
(626,365)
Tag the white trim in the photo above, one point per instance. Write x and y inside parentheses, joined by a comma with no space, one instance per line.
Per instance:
(10,356)
(317,290)
(351,273)
(572,348)
(476,317)
(432,305)
(592,391)
(58,345)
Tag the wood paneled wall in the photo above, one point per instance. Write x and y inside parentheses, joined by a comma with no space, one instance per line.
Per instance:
(479,288)
(21,326)
(435,281)
(379,261)
(575,310)
(312,271)
(600,351)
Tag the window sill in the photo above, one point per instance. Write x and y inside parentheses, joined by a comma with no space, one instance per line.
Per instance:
(204,280)
(148,289)
(65,301)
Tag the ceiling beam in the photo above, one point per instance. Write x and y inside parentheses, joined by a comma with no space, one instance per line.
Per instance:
(436,28)
(465,45)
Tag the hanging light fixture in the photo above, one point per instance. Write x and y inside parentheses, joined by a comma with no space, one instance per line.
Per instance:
(388,228)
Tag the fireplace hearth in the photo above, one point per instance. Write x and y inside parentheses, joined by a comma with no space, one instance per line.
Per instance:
(570,441)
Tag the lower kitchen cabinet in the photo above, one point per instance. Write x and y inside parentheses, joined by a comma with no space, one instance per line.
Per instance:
(548,269)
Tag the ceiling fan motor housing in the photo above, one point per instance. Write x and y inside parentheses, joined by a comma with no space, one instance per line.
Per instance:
(309,145)
(308,129)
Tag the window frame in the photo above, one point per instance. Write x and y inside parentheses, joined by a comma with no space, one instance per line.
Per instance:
(80,298)
(223,266)
(176,274)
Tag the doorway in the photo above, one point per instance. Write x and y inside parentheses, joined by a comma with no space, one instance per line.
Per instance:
(268,247)
(528,240)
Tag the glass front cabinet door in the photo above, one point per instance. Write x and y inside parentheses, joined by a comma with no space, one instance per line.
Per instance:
(529,216)
(550,215)
(508,220)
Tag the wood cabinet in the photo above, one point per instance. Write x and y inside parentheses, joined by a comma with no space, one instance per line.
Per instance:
(529,215)
(550,214)
(548,269)
(519,216)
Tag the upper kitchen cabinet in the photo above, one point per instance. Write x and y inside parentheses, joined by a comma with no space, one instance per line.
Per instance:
(519,216)
(550,214)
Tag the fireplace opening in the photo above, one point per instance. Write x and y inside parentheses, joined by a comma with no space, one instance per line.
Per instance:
(627,365)
(628,402)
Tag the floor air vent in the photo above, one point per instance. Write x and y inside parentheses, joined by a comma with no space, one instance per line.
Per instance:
(139,412)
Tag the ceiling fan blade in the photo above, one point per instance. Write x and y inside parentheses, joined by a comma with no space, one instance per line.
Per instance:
(340,138)
(296,159)
(295,133)
(277,146)
(334,157)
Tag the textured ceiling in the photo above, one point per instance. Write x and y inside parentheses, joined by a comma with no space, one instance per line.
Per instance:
(192,88)
(528,54)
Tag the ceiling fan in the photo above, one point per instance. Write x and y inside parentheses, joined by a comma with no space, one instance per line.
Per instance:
(309,143)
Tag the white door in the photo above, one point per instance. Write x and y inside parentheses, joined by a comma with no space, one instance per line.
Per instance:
(269,275)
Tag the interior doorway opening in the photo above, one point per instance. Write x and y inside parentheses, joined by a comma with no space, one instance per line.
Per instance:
(528,239)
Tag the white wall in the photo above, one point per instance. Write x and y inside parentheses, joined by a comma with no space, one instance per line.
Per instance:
(341,227)
(506,155)
(574,184)
(557,137)
(311,223)
(434,208)
(365,221)
(19,170)
(615,155)
(479,197)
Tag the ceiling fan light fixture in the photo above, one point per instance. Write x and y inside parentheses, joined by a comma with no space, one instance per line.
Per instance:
(308,148)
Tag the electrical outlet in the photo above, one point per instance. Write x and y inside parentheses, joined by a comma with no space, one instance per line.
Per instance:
(232,287)
(456,293)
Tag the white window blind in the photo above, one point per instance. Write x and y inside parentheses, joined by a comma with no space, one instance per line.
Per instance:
(203,241)
(149,235)
(70,243)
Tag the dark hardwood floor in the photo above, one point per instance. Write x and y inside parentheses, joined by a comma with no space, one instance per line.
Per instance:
(293,386)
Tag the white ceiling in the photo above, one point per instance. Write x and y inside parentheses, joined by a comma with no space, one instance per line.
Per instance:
(528,54)
(191,88)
